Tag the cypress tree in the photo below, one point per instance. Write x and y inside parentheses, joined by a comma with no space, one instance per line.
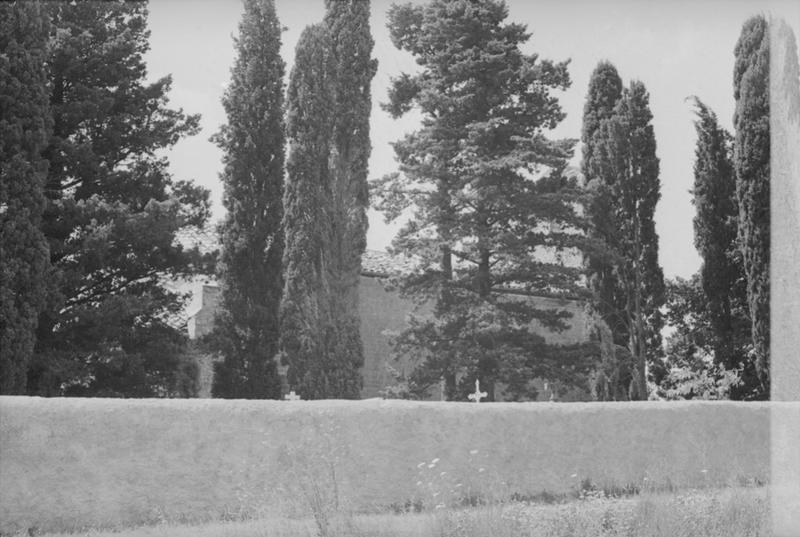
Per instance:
(752,165)
(325,203)
(614,374)
(305,307)
(605,91)
(629,165)
(252,239)
(347,23)
(715,228)
(24,131)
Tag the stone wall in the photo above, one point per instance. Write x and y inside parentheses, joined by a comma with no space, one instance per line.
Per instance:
(72,464)
(383,312)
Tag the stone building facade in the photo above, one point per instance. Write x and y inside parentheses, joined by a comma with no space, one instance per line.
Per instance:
(382,312)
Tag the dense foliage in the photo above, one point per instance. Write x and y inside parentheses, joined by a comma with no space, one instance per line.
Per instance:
(614,375)
(692,370)
(325,203)
(24,130)
(246,331)
(627,169)
(490,209)
(752,165)
(111,214)
(724,285)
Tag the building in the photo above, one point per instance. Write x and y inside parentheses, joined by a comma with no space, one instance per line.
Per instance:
(382,312)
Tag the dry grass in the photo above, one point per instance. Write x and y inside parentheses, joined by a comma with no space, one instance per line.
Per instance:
(740,512)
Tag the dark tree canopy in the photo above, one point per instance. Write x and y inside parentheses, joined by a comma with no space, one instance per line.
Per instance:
(246,332)
(490,208)
(24,130)
(605,91)
(347,22)
(722,276)
(112,212)
(325,203)
(752,164)
(690,347)
(615,372)
(304,305)
(627,161)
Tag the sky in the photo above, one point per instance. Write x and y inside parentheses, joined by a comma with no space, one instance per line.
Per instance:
(677,48)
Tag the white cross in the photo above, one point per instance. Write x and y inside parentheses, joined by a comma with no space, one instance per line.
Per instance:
(478,395)
(291,396)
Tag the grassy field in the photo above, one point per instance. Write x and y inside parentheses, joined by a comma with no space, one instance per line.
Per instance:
(732,512)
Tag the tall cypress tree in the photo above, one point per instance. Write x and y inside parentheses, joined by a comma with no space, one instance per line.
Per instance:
(614,374)
(715,228)
(252,237)
(325,203)
(347,23)
(305,306)
(752,165)
(24,131)
(629,165)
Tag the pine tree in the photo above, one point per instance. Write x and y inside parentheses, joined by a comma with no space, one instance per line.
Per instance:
(325,203)
(752,165)
(24,130)
(715,228)
(481,220)
(112,212)
(615,372)
(627,161)
(252,238)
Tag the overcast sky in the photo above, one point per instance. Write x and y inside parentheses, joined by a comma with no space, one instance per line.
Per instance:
(677,48)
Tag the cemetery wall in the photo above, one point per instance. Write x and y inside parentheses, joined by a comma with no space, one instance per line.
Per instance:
(76,463)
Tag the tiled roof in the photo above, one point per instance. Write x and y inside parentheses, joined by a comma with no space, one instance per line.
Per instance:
(376,263)
(373,263)
(205,239)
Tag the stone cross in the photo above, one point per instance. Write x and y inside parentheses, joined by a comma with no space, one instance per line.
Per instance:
(291,396)
(478,395)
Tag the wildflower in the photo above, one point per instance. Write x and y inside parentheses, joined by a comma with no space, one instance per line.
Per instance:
(431,466)
(473,451)
(420,465)
(434,461)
